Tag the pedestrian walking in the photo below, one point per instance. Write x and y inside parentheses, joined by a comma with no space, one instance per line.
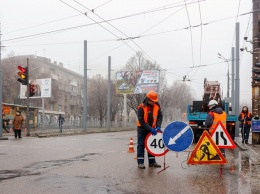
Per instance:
(17,124)
(60,121)
(245,118)
(149,120)
(216,114)
(3,121)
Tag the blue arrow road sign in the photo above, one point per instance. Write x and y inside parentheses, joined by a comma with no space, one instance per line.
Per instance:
(177,136)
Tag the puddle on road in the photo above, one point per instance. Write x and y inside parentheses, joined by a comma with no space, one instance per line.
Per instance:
(39,167)
(238,176)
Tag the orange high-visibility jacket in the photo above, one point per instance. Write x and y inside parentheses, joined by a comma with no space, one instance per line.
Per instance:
(218,117)
(155,114)
(243,116)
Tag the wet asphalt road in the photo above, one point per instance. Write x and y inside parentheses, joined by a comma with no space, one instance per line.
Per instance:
(99,163)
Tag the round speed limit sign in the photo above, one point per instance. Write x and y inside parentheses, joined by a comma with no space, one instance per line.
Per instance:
(154,144)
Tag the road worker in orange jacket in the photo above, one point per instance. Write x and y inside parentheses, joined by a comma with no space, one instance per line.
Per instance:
(149,120)
(216,113)
(245,118)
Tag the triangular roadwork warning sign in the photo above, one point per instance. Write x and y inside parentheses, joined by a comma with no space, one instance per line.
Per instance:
(221,137)
(206,152)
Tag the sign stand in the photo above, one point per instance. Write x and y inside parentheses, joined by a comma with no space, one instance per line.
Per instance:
(164,163)
(221,169)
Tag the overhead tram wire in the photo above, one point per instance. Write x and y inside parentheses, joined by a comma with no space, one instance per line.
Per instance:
(131,38)
(117,30)
(144,31)
(161,21)
(42,24)
(190,32)
(123,17)
(249,25)
(80,26)
(235,22)
(54,20)
(100,25)
(57,43)
(200,30)
(200,40)
(103,4)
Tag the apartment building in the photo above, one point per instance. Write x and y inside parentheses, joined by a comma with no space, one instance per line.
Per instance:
(67,88)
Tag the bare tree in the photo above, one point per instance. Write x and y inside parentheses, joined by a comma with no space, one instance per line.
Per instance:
(116,101)
(179,95)
(135,63)
(98,98)
(11,87)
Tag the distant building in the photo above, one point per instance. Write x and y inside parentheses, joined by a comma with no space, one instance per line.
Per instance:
(67,87)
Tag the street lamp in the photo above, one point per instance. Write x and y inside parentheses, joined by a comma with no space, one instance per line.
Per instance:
(226,60)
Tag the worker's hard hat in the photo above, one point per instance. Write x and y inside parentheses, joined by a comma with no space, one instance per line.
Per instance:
(213,103)
(153,96)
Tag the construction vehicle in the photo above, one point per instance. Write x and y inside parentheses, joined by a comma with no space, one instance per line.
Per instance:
(197,111)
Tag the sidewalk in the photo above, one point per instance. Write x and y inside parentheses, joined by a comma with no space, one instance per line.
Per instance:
(55,132)
(251,150)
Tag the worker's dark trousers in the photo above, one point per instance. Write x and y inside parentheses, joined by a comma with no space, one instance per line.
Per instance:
(60,126)
(245,134)
(17,133)
(141,135)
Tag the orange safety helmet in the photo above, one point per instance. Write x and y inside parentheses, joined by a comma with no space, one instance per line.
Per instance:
(153,96)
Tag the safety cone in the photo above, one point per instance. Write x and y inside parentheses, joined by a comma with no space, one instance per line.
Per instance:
(131,146)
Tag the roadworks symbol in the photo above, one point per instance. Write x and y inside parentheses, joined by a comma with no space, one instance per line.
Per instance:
(206,152)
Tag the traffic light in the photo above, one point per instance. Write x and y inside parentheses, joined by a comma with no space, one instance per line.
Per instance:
(23,74)
(31,88)
(256,71)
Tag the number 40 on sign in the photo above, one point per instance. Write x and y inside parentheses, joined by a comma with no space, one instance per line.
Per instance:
(154,144)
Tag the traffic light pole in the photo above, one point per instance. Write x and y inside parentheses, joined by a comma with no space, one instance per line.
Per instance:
(28,97)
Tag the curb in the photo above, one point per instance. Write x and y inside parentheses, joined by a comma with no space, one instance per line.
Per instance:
(241,146)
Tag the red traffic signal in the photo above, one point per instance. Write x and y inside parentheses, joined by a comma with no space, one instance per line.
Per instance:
(22,69)
(23,74)
(31,88)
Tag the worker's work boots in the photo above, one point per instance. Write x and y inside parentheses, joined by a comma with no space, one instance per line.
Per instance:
(155,165)
(142,166)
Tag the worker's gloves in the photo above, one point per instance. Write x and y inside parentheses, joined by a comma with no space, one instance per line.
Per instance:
(158,129)
(153,131)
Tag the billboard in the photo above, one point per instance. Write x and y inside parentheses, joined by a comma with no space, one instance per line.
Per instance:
(137,82)
(42,88)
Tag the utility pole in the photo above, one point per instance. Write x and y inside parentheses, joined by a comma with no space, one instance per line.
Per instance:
(233,81)
(28,101)
(228,79)
(109,93)
(85,113)
(255,55)
(237,80)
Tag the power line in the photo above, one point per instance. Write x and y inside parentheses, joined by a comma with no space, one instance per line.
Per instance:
(190,33)
(117,30)
(236,22)
(200,39)
(55,20)
(123,17)
(147,35)
(42,24)
(85,25)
